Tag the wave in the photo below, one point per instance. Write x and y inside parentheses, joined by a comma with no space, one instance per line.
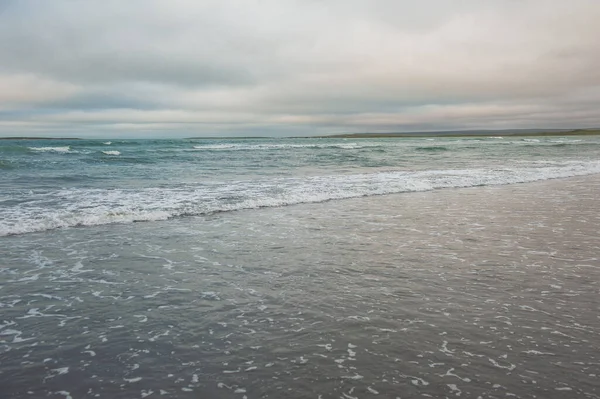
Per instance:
(111,152)
(87,207)
(64,149)
(240,147)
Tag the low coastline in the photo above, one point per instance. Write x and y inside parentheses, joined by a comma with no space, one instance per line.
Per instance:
(40,138)
(475,134)
(458,134)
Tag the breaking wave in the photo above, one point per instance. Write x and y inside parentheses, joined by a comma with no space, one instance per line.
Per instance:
(87,207)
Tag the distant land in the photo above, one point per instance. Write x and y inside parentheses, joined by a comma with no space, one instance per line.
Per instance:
(474,133)
(40,138)
(230,138)
(441,133)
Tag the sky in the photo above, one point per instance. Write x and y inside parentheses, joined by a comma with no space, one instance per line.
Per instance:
(183,68)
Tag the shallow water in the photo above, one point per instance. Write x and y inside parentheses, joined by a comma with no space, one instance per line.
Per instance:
(487,292)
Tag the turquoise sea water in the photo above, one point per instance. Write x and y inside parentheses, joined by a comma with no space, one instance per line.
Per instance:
(300,268)
(51,184)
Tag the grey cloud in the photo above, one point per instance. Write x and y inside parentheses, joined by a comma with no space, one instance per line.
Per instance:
(90,101)
(74,44)
(297,66)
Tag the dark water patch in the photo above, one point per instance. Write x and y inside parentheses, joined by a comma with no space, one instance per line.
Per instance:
(101,158)
(7,165)
(432,148)
(71,178)
(50,183)
(575,143)
(13,149)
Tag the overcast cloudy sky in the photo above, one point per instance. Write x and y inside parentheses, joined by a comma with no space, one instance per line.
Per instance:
(178,68)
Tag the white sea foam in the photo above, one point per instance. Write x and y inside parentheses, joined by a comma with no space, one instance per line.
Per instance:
(64,149)
(111,152)
(86,207)
(352,377)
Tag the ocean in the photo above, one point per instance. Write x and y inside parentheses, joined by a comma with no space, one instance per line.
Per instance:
(300,268)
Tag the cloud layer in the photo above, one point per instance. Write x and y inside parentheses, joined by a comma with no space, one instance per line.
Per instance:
(146,68)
